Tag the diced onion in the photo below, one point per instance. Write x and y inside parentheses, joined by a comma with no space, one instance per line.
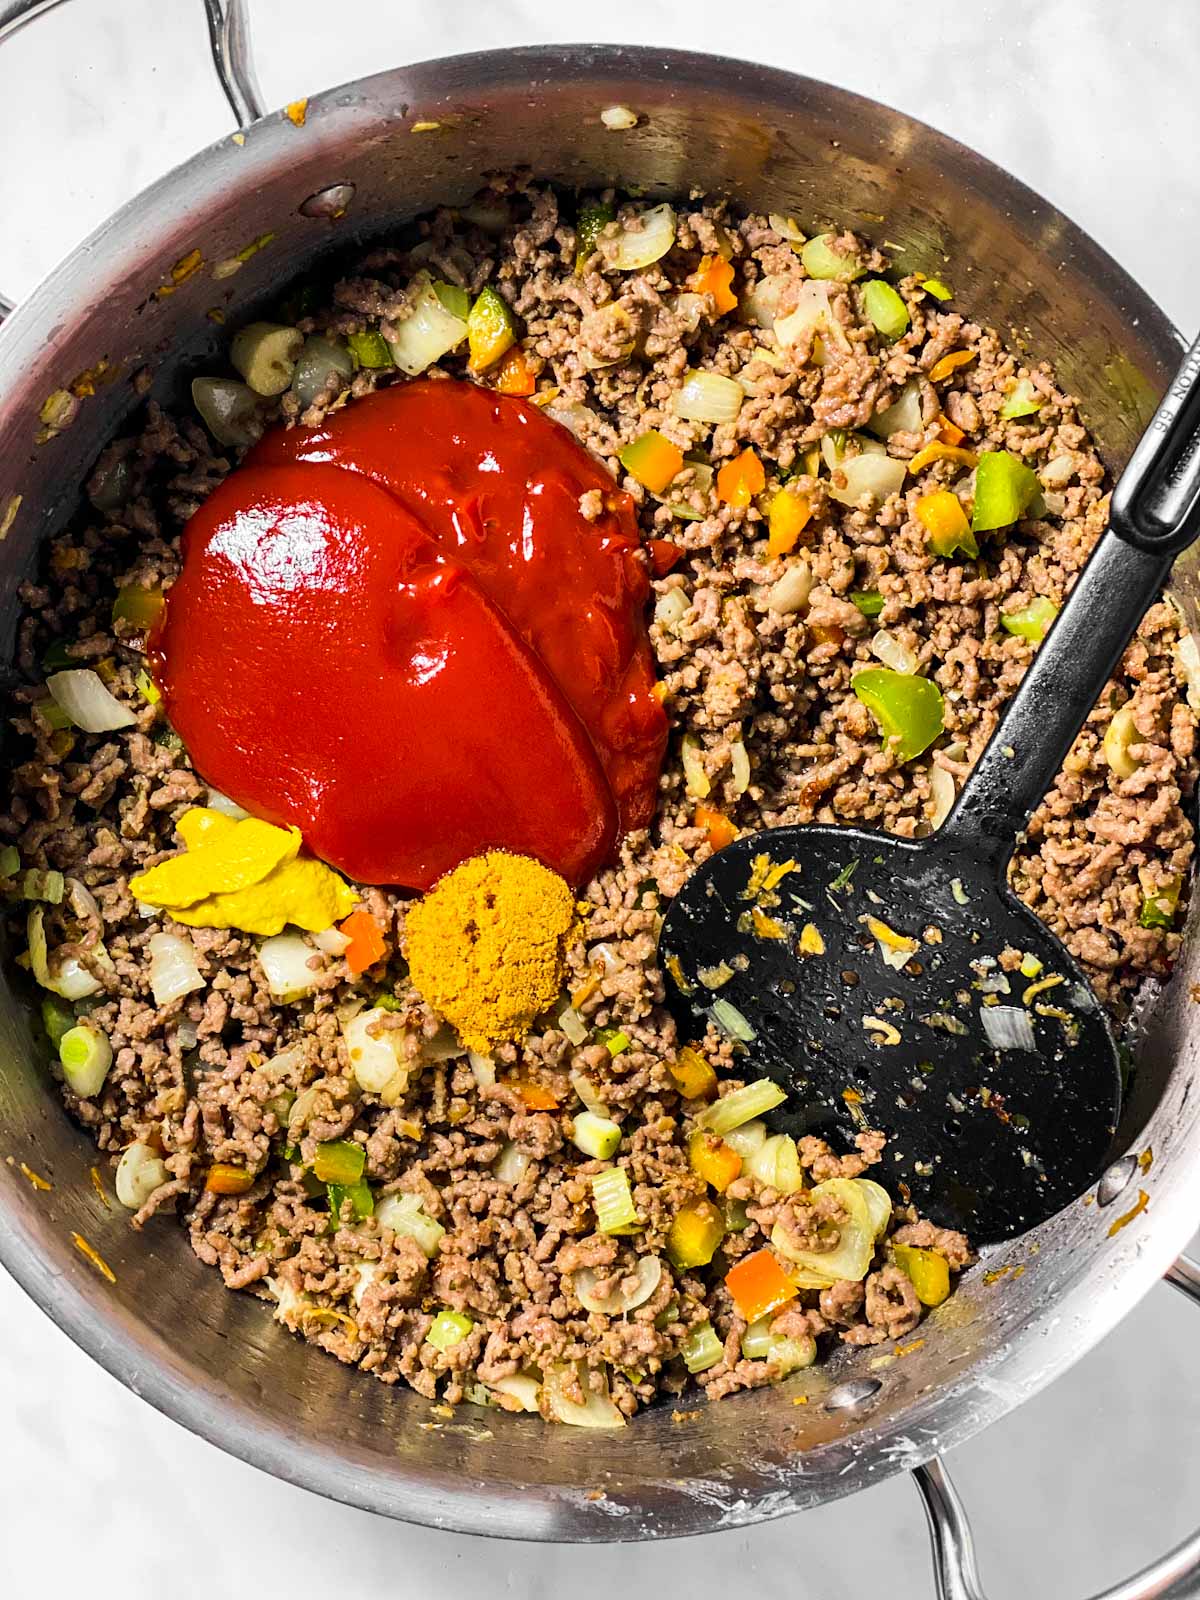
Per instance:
(647,242)
(511,1165)
(573,1025)
(428,333)
(646,1277)
(739,759)
(1008,1027)
(694,774)
(228,409)
(577,418)
(708,397)
(174,970)
(71,979)
(851,1257)
(318,361)
(1187,654)
(902,416)
(586,1090)
(810,314)
(83,696)
(776,1164)
(139,1173)
(378,1065)
(671,608)
(787,229)
(887,648)
(331,942)
(618,118)
(760,303)
(747,1137)
(402,1213)
(597,1411)
(227,807)
(521,1387)
(1057,472)
(285,962)
(869,474)
(483,1069)
(879,1204)
(689,308)
(789,593)
(942,795)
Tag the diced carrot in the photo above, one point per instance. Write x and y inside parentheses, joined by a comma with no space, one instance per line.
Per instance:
(713,1160)
(759,1285)
(222,1178)
(716,824)
(660,692)
(715,276)
(367,944)
(740,480)
(949,432)
(536,1096)
(664,554)
(948,364)
(514,375)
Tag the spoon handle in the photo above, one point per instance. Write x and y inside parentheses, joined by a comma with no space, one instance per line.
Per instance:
(1154,515)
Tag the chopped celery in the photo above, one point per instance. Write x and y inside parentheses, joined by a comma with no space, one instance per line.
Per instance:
(1004,487)
(339,1161)
(757,1340)
(1031,621)
(741,1105)
(52,714)
(57,1018)
(821,260)
(596,1136)
(592,222)
(938,289)
(1024,401)
(614,1041)
(447,1329)
(701,1348)
(885,308)
(359,1195)
(456,301)
(86,1055)
(868,601)
(731,1021)
(10,861)
(908,708)
(45,885)
(491,329)
(612,1200)
(369,348)
(265,354)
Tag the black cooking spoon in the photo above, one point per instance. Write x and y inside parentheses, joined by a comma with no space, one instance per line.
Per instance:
(997,1082)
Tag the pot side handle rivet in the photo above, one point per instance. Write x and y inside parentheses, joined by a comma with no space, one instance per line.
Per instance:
(853,1393)
(1115,1180)
(332,202)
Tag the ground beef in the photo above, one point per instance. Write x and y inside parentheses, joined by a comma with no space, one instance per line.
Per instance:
(227,1075)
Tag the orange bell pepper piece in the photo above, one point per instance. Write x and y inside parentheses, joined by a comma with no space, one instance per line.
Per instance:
(652,459)
(514,375)
(660,692)
(740,480)
(716,825)
(758,1285)
(714,276)
(536,1096)
(786,521)
(937,451)
(367,945)
(221,1178)
(694,1077)
(713,1160)
(948,364)
(949,432)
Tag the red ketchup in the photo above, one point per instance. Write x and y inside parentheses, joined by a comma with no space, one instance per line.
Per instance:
(399,633)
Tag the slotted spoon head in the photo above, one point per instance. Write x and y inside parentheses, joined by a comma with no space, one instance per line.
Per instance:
(998,1089)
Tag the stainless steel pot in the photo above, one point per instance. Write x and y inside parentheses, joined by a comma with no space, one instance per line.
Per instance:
(388,147)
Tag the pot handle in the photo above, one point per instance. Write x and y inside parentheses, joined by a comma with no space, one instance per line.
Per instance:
(1175,1576)
(229,42)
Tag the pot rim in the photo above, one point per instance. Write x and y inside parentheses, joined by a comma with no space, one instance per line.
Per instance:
(1070,1325)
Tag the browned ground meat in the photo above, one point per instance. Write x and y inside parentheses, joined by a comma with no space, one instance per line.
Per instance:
(227,1075)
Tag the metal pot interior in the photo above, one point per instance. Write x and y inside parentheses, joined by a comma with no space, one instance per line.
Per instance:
(167,1327)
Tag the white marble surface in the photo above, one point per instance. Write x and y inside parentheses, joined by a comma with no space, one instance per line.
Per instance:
(1088,102)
